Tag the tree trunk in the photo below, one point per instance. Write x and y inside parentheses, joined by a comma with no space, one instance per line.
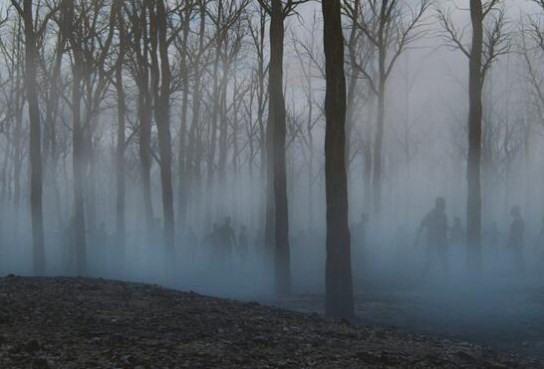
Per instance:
(193,145)
(474,196)
(212,127)
(378,144)
(276,113)
(36,181)
(120,154)
(141,41)
(338,282)
(77,137)
(182,155)
(162,116)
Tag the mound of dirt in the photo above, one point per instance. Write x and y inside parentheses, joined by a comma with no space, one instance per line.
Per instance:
(87,323)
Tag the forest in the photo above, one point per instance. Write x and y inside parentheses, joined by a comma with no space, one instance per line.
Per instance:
(297,152)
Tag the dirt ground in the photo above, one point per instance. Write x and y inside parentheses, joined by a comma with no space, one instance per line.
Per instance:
(87,323)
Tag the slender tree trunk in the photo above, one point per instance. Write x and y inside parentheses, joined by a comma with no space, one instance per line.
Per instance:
(310,158)
(339,289)
(141,41)
(474,198)
(36,180)
(18,144)
(193,145)
(51,114)
(162,116)
(77,137)
(216,93)
(183,172)
(120,152)
(377,182)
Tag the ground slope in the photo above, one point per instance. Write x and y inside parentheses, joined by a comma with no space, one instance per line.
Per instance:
(86,323)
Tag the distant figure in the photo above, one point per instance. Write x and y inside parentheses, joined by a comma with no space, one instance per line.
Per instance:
(457,233)
(242,243)
(227,237)
(436,225)
(516,239)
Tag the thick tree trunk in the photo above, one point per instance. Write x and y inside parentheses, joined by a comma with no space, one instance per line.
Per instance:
(36,181)
(338,280)
(474,196)
(276,113)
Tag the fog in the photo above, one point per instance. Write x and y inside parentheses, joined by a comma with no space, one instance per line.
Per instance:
(219,175)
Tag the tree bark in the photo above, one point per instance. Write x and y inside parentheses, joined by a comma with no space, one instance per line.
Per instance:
(77,137)
(276,120)
(162,116)
(474,196)
(141,46)
(120,152)
(36,178)
(182,155)
(338,279)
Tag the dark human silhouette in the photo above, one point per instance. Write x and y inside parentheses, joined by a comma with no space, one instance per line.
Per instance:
(436,225)
(224,242)
(516,239)
(227,233)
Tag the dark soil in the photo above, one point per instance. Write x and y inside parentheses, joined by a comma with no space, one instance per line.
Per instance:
(87,323)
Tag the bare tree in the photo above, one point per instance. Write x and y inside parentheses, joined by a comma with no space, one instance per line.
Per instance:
(138,16)
(338,280)
(69,28)
(121,135)
(276,131)
(31,88)
(391,26)
(488,43)
(161,80)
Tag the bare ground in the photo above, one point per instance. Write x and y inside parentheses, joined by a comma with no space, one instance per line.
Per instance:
(88,323)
